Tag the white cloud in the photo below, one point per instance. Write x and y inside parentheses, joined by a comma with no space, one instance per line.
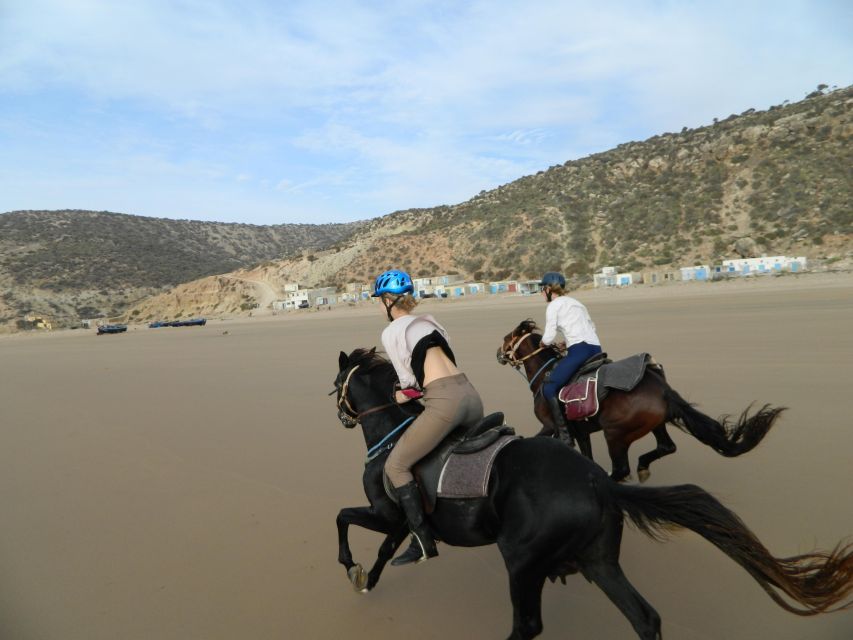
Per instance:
(369,105)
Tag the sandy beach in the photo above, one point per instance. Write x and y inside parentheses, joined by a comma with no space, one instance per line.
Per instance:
(183,483)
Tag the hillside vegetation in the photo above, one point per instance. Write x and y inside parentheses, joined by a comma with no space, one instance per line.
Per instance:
(72,264)
(779,178)
(773,181)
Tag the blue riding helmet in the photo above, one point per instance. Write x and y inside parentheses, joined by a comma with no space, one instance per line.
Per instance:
(395,282)
(553,278)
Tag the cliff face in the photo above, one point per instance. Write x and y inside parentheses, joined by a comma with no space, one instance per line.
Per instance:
(72,264)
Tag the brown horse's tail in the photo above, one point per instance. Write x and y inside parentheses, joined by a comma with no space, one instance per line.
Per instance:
(727,438)
(820,582)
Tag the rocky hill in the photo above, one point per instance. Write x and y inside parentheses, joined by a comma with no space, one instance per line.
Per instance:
(73,264)
(774,181)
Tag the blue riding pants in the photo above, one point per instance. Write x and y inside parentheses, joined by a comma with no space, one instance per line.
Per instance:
(566,367)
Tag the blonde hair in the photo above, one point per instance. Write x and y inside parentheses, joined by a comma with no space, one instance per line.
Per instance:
(406,302)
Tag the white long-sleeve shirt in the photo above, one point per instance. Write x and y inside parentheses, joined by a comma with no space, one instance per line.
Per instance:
(569,317)
(399,339)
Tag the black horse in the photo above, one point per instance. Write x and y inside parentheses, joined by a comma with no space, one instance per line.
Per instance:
(553,512)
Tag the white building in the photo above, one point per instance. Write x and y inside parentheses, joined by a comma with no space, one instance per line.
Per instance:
(762,265)
(605,278)
(698,272)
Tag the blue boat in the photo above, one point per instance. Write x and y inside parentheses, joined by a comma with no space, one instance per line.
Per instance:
(112,328)
(193,322)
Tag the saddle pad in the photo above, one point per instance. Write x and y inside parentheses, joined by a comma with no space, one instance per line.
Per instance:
(467,475)
(625,374)
(581,398)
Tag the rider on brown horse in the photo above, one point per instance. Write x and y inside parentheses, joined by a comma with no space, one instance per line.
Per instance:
(571,319)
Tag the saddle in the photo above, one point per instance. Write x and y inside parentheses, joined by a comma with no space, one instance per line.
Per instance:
(590,385)
(460,466)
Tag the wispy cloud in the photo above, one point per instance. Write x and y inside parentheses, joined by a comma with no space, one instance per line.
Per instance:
(367,108)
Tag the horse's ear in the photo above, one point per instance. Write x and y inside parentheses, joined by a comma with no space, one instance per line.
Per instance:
(373,350)
(343,361)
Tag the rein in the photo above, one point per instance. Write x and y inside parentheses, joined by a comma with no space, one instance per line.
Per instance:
(377,450)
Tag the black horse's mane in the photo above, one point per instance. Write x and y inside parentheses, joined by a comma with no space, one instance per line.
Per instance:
(527,326)
(368,360)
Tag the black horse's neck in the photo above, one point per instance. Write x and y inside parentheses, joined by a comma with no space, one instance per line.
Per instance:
(371,392)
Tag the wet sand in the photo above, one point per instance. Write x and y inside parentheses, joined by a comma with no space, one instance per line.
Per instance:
(183,483)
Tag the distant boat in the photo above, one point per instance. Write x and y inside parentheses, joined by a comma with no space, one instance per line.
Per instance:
(112,328)
(193,322)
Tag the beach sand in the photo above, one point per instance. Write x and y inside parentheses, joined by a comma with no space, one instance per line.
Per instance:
(184,483)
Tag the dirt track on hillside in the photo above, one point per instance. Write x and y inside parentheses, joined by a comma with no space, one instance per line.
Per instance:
(183,483)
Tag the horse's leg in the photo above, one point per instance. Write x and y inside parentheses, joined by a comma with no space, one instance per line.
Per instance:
(525,589)
(665,447)
(543,414)
(610,579)
(581,435)
(387,550)
(367,518)
(617,446)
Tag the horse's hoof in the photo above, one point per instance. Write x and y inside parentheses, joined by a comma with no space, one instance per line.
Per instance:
(643,474)
(358,577)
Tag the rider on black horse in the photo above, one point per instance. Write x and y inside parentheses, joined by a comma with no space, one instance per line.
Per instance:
(417,347)
(571,319)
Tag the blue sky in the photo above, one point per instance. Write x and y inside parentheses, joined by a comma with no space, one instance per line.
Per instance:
(271,112)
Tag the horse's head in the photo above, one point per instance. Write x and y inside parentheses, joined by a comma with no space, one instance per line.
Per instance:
(519,343)
(364,385)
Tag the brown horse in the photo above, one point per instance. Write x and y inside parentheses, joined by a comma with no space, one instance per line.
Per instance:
(627,416)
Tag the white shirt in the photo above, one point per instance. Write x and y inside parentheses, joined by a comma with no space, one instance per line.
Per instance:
(569,317)
(399,339)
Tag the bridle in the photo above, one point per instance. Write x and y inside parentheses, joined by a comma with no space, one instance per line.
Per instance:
(348,416)
(510,356)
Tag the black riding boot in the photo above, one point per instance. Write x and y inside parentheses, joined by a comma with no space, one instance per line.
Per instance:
(559,417)
(412,554)
(410,500)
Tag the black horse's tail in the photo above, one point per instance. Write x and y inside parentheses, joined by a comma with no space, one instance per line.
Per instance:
(820,581)
(726,438)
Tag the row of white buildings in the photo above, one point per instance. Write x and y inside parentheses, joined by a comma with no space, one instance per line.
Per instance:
(737,267)
(444,286)
(455,286)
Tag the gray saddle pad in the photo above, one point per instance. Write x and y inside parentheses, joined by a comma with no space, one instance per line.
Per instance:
(467,475)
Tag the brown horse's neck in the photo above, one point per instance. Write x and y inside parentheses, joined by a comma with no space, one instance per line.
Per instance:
(538,364)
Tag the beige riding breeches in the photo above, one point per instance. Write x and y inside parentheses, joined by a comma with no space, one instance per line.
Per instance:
(449,402)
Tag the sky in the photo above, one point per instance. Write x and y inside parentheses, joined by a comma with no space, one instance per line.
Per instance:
(267,112)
